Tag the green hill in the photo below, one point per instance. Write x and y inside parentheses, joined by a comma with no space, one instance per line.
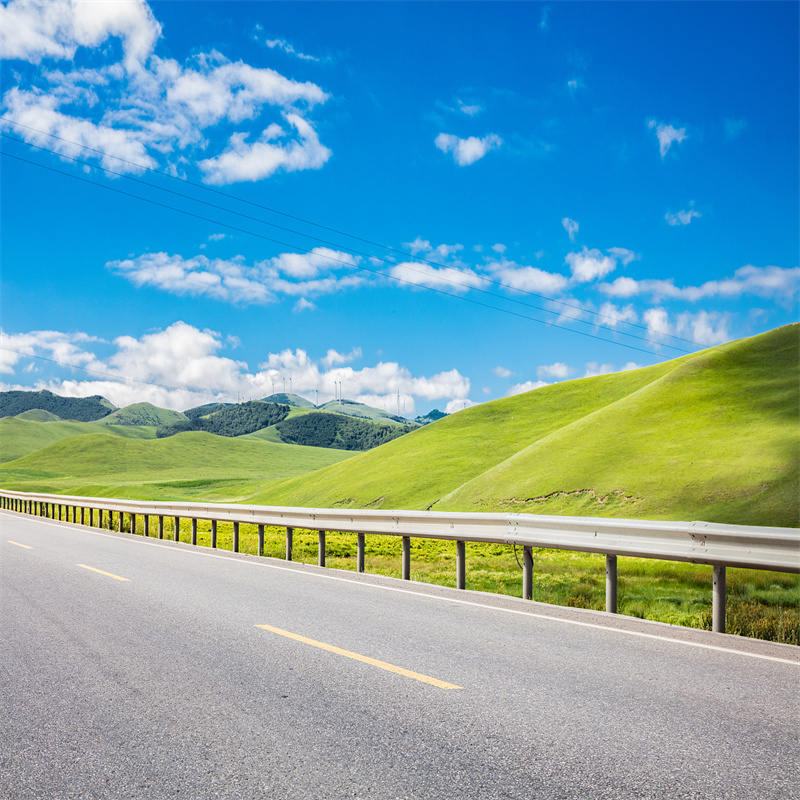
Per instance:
(143,414)
(83,409)
(293,400)
(185,465)
(233,420)
(321,429)
(22,435)
(713,435)
(39,415)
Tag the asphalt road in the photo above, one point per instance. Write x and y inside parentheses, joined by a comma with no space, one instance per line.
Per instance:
(162,686)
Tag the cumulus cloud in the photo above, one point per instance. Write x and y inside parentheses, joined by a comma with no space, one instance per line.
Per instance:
(470,109)
(768,282)
(560,371)
(502,372)
(467,151)
(233,281)
(702,327)
(681,217)
(667,135)
(181,366)
(623,255)
(303,305)
(243,161)
(150,111)
(588,265)
(593,368)
(611,316)
(571,227)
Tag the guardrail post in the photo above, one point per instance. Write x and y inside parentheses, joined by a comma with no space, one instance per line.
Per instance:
(461,565)
(527,573)
(289,542)
(213,533)
(718,601)
(161,527)
(360,547)
(121,522)
(261,540)
(133,523)
(100,513)
(176,529)
(321,549)
(194,530)
(145,526)
(611,584)
(235,537)
(406,558)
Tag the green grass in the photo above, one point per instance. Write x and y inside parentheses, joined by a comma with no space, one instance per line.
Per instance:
(712,436)
(143,414)
(352,409)
(188,465)
(22,435)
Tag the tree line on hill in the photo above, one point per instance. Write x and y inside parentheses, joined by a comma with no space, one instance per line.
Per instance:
(338,432)
(82,409)
(232,420)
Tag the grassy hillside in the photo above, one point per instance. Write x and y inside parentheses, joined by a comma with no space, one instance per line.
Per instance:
(713,436)
(293,400)
(186,465)
(143,414)
(39,415)
(22,435)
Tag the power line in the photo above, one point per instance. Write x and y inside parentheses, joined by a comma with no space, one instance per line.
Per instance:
(340,261)
(418,258)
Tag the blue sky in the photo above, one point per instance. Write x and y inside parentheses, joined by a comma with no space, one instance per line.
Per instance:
(476,198)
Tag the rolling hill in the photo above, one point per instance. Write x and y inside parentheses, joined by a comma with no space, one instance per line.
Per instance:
(351,408)
(293,400)
(714,435)
(185,465)
(143,414)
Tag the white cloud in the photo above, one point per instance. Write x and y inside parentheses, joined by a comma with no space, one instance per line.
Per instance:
(768,282)
(217,237)
(244,161)
(611,315)
(146,109)
(544,19)
(282,44)
(681,217)
(303,305)
(667,135)
(702,327)
(502,372)
(467,151)
(560,371)
(455,406)
(32,30)
(527,386)
(233,281)
(470,109)
(571,227)
(335,359)
(499,248)
(169,368)
(528,279)
(435,277)
(588,265)
(623,255)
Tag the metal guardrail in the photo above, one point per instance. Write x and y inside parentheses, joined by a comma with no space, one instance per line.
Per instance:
(709,543)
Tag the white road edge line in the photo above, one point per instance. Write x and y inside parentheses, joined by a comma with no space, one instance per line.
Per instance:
(534,614)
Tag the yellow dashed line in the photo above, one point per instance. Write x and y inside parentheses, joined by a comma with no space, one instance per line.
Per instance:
(108,574)
(366,659)
(26,546)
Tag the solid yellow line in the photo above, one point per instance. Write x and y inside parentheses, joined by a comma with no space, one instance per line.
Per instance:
(26,546)
(108,574)
(366,659)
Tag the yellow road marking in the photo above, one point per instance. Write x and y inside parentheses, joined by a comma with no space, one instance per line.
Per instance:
(366,659)
(26,546)
(108,574)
